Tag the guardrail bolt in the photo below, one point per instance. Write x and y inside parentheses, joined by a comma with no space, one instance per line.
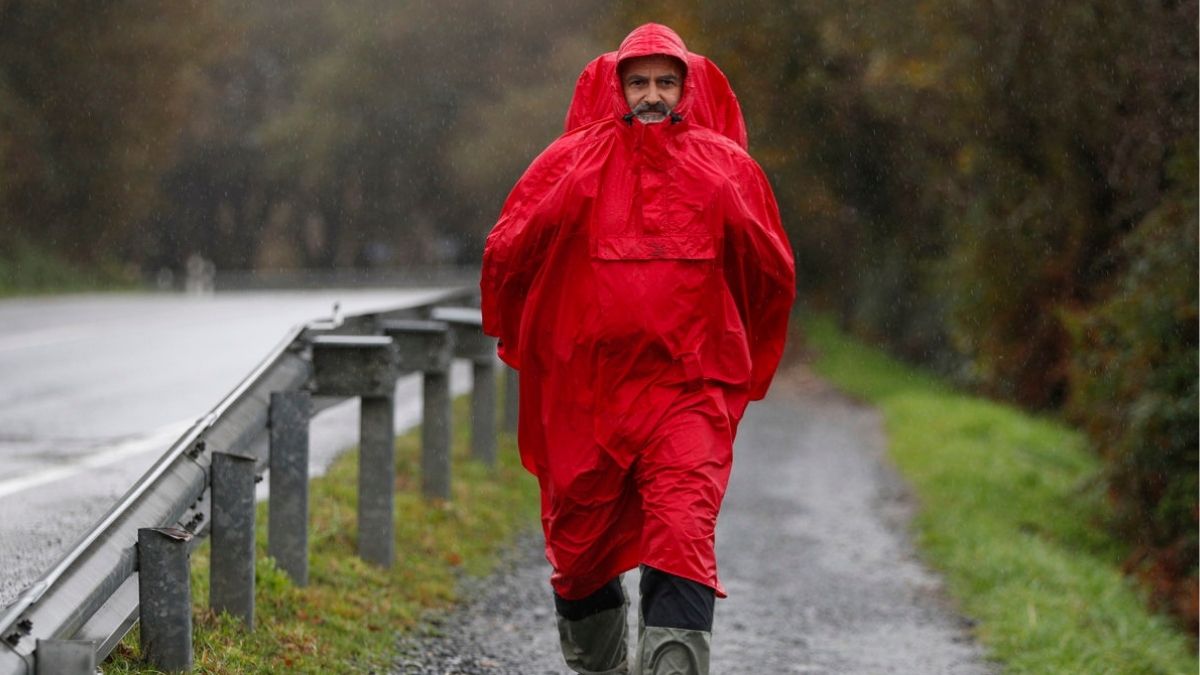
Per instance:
(194,524)
(165,598)
(231,581)
(196,450)
(287,515)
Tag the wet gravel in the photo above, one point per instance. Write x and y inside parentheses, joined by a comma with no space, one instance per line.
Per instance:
(813,548)
(507,626)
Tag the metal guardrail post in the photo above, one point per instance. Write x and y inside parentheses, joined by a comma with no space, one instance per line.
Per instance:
(435,436)
(165,597)
(512,398)
(377,480)
(471,343)
(66,657)
(231,580)
(287,513)
(366,366)
(483,409)
(428,347)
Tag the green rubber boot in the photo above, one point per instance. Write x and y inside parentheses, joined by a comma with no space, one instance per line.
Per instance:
(596,645)
(672,651)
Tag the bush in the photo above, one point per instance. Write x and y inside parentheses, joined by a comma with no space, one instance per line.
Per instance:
(26,268)
(1134,391)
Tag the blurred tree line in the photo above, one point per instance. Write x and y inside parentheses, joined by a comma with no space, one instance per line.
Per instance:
(1004,190)
(263,135)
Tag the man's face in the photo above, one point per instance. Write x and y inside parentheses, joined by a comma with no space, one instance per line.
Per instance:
(652,85)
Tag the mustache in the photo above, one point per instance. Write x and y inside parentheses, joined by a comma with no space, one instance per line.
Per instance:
(644,107)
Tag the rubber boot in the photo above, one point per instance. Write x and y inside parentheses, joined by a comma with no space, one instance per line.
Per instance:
(596,644)
(674,625)
(673,651)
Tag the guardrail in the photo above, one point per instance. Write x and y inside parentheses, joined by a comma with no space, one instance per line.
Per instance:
(133,565)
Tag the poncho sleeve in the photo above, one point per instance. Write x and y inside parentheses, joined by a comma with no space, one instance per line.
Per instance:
(516,248)
(760,272)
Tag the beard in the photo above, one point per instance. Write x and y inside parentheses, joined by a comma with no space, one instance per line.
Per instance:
(651,113)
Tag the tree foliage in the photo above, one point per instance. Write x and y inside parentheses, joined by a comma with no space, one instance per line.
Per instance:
(1135,389)
(92,101)
(358,115)
(261,135)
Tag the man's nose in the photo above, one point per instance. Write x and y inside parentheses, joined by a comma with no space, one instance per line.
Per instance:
(653,95)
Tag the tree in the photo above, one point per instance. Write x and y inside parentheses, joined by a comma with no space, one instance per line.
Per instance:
(93,98)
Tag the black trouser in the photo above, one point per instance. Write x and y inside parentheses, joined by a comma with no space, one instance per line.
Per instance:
(667,601)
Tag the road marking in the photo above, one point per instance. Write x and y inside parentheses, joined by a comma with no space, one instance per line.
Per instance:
(159,439)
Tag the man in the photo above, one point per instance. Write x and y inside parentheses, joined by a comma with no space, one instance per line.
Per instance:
(640,280)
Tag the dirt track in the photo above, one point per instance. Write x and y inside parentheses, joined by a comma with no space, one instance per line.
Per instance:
(812,547)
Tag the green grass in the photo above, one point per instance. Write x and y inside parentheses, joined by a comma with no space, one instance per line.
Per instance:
(28,269)
(347,617)
(1012,512)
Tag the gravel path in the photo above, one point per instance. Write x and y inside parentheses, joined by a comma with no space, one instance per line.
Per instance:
(812,546)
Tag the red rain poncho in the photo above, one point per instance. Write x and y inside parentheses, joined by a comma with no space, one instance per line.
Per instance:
(640,280)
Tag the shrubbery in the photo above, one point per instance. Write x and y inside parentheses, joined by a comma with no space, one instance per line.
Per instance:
(1134,391)
(27,268)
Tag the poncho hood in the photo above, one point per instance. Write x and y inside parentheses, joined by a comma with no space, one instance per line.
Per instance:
(707,99)
(650,39)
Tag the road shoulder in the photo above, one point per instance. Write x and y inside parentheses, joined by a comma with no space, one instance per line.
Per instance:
(813,544)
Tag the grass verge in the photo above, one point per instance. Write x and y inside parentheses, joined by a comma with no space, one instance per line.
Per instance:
(1012,512)
(27,269)
(347,617)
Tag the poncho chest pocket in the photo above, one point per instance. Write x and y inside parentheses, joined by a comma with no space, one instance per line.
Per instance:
(696,247)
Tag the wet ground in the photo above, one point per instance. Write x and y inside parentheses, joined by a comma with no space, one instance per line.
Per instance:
(813,548)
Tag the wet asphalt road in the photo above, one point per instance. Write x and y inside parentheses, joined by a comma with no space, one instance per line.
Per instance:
(812,546)
(93,388)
